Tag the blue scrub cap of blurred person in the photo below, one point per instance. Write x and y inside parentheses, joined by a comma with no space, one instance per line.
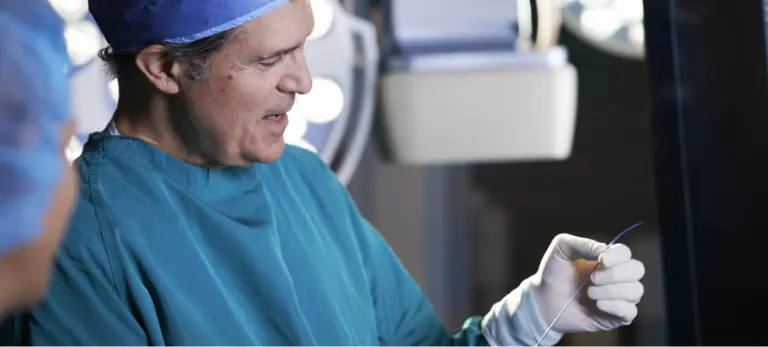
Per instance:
(34,105)
(131,25)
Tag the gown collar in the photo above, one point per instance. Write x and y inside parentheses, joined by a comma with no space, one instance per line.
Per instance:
(202,180)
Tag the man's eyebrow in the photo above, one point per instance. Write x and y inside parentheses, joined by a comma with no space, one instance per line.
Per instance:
(280,52)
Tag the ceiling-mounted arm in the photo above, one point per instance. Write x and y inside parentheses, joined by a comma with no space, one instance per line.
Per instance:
(550,19)
(367,66)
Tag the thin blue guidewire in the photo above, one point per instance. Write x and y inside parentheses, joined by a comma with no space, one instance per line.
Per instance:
(616,239)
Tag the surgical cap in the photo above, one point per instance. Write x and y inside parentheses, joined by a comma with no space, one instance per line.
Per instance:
(33,107)
(131,25)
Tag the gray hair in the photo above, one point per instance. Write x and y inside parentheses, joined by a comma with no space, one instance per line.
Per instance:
(194,55)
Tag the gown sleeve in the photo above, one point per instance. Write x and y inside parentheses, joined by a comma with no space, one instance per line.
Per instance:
(83,306)
(406,318)
(404,315)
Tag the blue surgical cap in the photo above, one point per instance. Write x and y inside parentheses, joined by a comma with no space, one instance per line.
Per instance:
(131,25)
(34,105)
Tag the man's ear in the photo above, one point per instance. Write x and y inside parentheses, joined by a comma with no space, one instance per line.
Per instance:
(158,67)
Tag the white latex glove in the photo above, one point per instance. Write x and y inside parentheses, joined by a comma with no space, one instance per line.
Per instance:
(608,302)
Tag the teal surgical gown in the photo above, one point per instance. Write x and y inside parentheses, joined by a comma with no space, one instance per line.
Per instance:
(161,252)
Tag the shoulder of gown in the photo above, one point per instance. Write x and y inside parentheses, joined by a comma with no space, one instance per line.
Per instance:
(114,182)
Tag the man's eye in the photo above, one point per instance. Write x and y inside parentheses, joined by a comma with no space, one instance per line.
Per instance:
(272,61)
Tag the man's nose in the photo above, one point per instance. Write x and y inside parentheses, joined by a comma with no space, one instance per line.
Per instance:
(299,81)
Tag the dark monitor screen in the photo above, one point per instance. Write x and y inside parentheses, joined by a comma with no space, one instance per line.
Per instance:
(709,85)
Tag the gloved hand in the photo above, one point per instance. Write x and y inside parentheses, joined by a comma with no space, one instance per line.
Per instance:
(608,302)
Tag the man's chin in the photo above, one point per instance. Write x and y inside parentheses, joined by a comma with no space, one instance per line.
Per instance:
(267,154)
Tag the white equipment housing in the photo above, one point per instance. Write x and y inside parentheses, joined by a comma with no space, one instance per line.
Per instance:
(475,101)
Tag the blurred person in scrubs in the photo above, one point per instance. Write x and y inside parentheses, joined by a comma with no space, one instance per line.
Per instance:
(37,186)
(198,225)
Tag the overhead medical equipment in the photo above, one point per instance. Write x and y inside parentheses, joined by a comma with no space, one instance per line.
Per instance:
(333,119)
(469,83)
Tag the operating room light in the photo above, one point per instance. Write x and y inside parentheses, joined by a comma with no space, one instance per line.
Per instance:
(321,105)
(70,10)
(83,41)
(325,102)
(323,13)
(600,23)
(596,3)
(631,10)
(613,26)
(297,127)
(83,37)
(637,33)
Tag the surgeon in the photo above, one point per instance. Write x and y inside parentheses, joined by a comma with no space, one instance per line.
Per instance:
(37,187)
(198,225)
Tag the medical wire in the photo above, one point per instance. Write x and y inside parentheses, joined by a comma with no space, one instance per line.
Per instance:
(584,283)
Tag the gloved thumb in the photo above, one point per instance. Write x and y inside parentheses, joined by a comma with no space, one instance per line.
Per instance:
(569,247)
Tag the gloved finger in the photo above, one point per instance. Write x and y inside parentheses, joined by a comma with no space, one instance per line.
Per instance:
(615,255)
(630,271)
(569,247)
(630,292)
(621,309)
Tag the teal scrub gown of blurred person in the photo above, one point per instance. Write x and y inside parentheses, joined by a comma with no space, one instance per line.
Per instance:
(165,253)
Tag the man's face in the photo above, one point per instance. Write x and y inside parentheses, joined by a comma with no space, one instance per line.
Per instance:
(238,113)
